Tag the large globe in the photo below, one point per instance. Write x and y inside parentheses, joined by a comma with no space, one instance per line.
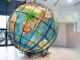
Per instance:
(34,27)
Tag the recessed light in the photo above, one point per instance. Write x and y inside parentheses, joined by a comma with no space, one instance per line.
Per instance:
(69,1)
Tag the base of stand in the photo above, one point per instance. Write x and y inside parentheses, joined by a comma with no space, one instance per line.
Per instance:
(39,54)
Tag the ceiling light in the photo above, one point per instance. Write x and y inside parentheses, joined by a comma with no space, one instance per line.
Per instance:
(69,1)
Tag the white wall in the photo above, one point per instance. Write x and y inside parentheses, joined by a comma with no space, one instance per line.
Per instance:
(73,38)
(67,36)
(61,37)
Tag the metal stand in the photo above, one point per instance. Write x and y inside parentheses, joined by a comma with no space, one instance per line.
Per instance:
(39,54)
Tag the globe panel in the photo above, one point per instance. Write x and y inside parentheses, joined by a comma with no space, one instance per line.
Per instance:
(21,17)
(17,39)
(31,44)
(53,24)
(42,28)
(13,19)
(20,7)
(48,22)
(29,8)
(36,37)
(18,29)
(36,48)
(24,41)
(28,35)
(14,16)
(12,26)
(47,45)
(50,34)
(34,28)
(43,42)
(39,13)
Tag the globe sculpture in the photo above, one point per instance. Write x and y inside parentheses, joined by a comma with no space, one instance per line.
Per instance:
(34,27)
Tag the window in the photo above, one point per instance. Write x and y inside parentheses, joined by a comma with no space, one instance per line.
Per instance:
(6,8)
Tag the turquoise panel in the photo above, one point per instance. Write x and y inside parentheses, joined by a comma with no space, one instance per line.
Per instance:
(42,29)
(50,34)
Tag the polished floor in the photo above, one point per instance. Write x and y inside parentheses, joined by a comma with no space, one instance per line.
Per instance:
(56,53)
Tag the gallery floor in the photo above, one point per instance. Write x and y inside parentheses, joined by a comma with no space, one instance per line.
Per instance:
(56,53)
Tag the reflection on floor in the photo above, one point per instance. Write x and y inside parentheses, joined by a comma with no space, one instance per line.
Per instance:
(56,53)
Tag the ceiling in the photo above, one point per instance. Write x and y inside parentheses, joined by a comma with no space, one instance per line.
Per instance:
(64,9)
